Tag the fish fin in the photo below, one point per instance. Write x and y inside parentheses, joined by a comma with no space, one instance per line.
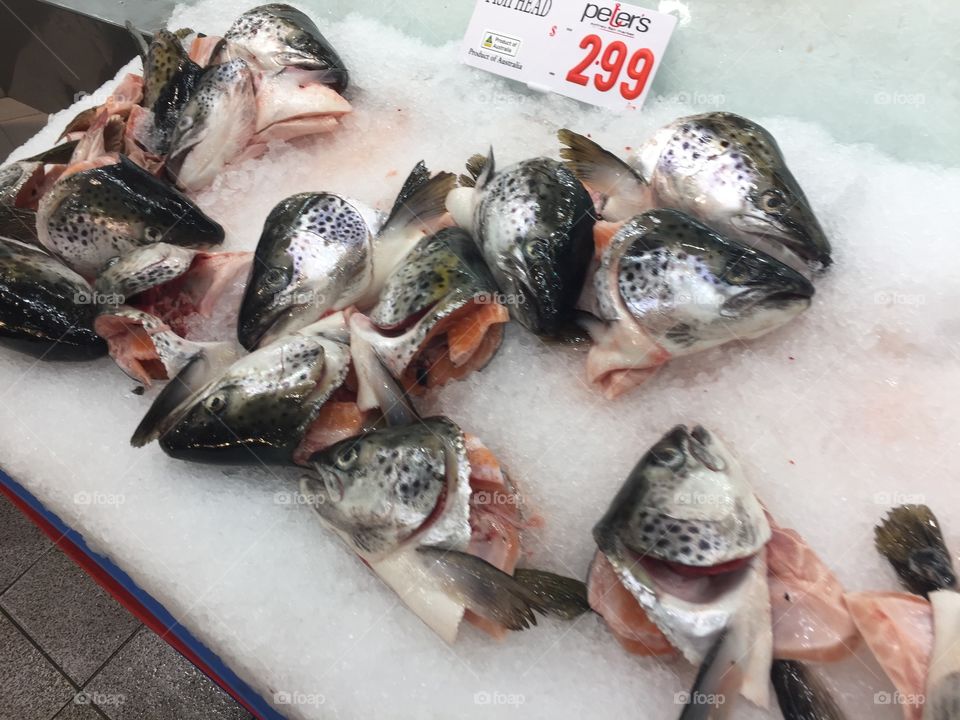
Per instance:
(486,169)
(57,155)
(404,573)
(562,596)
(801,694)
(138,38)
(475,165)
(622,191)
(377,387)
(911,540)
(81,122)
(421,199)
(482,588)
(717,682)
(943,675)
(168,406)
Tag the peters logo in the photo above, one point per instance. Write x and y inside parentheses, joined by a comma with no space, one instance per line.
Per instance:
(615,17)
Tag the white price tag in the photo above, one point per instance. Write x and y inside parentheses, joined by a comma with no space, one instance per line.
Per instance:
(604,53)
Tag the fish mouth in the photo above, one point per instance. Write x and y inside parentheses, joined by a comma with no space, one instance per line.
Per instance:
(805,240)
(754,299)
(330,487)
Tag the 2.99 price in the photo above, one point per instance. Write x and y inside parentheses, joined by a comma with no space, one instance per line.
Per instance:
(613,62)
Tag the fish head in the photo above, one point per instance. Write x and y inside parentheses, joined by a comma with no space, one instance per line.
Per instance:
(313,256)
(46,309)
(776,211)
(382,489)
(731,172)
(93,215)
(439,284)
(166,57)
(260,406)
(141,269)
(692,288)
(535,224)
(215,125)
(686,502)
(278,36)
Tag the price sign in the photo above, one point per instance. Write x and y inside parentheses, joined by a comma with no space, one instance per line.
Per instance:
(601,53)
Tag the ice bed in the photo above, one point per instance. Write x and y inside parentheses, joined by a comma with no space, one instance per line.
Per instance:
(835,417)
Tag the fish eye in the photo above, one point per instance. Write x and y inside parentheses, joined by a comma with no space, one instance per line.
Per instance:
(215,403)
(347,458)
(185,123)
(737,274)
(534,246)
(668,456)
(152,234)
(772,201)
(274,278)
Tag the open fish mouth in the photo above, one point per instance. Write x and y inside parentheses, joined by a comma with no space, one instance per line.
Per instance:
(808,242)
(767,298)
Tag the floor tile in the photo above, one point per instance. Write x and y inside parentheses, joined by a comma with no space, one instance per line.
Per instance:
(148,679)
(21,129)
(79,709)
(10,109)
(30,687)
(21,542)
(77,623)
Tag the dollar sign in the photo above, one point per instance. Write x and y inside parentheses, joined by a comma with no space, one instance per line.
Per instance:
(553,31)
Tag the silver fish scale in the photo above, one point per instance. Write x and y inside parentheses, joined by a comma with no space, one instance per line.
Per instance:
(689,542)
(92,225)
(329,246)
(255,22)
(13,177)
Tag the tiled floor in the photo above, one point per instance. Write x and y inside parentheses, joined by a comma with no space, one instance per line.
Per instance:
(69,651)
(18,123)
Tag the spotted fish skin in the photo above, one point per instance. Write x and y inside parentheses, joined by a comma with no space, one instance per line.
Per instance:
(258,408)
(440,276)
(19,223)
(723,169)
(690,288)
(46,309)
(534,224)
(314,255)
(380,490)
(166,57)
(215,125)
(141,269)
(170,79)
(95,215)
(277,36)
